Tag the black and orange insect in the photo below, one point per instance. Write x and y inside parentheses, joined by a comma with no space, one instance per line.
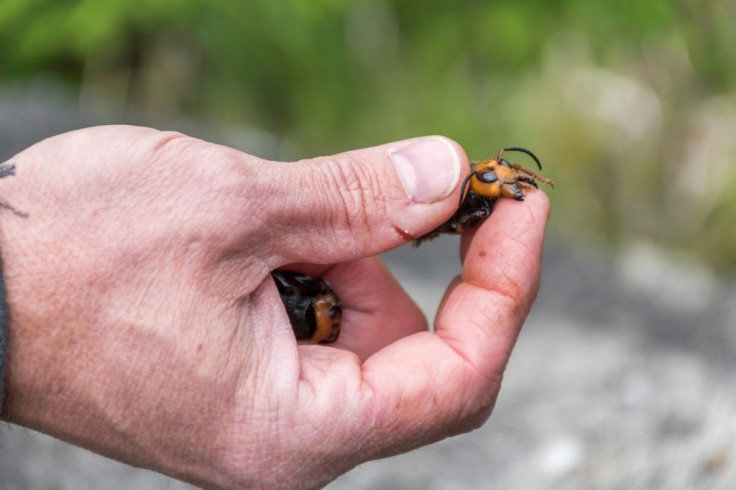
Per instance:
(313,307)
(487,182)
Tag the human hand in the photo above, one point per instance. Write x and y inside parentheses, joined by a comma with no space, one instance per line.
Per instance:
(144,324)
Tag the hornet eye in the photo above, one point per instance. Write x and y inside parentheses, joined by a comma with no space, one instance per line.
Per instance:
(488,177)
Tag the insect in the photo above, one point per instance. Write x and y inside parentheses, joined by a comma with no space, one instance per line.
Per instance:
(312,305)
(487,182)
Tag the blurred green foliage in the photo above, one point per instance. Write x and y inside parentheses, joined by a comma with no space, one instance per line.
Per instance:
(630,104)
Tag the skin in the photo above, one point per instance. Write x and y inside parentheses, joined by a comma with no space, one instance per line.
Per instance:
(144,324)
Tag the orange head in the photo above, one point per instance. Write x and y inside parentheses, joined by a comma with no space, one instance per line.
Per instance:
(498,178)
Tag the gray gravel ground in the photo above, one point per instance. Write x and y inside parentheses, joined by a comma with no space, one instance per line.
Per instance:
(621,379)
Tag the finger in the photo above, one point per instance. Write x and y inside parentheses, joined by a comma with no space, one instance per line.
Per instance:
(501,272)
(363,202)
(431,386)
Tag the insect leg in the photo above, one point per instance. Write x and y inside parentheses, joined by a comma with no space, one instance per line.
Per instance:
(533,175)
(528,180)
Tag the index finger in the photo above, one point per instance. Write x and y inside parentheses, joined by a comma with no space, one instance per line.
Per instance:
(501,273)
(428,386)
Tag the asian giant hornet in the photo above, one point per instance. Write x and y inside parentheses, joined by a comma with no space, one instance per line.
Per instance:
(312,305)
(487,182)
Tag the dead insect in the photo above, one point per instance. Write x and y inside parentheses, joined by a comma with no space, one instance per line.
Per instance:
(488,181)
(314,310)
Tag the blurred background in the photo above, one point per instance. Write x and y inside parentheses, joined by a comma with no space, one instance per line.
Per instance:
(622,378)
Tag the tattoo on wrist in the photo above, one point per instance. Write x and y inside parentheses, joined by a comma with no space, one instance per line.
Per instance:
(7,169)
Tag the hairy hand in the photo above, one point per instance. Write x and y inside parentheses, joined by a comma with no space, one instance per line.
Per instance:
(144,323)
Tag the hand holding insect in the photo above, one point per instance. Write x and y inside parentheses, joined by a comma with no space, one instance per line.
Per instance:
(145,325)
(487,182)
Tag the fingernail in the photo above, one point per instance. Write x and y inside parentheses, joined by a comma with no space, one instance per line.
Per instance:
(429,168)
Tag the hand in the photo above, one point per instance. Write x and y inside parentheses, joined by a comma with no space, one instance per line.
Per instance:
(144,323)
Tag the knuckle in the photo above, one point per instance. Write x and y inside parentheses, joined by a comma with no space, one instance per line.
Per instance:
(358,196)
(170,144)
(478,416)
(478,400)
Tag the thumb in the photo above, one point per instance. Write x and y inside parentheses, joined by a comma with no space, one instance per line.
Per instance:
(364,202)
